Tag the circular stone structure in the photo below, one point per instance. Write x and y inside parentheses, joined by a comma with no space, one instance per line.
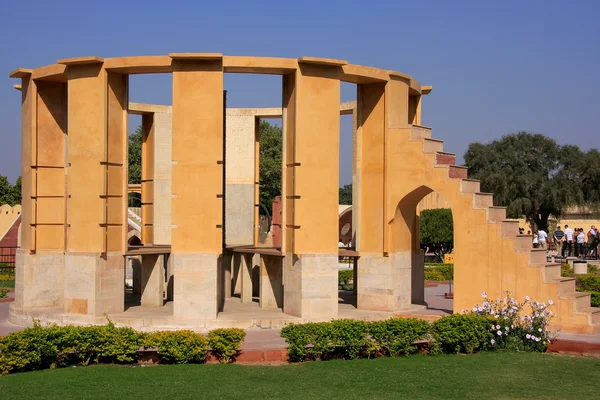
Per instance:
(200,264)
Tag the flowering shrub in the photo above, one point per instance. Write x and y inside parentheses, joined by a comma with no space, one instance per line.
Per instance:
(512,327)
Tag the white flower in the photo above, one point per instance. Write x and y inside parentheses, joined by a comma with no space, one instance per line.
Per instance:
(483,294)
(499,333)
(507,329)
(527,298)
(528,336)
(537,339)
(474,309)
(492,341)
(497,326)
(550,302)
(479,309)
(539,329)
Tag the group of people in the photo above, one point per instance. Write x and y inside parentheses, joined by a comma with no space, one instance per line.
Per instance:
(571,242)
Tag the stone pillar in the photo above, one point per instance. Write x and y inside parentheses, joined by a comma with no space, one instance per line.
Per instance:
(136,266)
(96,186)
(226,268)
(147,175)
(310,186)
(153,280)
(271,295)
(197,206)
(240,167)
(246,278)
(161,221)
(40,260)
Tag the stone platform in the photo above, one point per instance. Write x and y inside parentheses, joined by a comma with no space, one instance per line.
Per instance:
(235,314)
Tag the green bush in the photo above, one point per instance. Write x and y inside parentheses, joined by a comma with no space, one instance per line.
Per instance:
(396,336)
(55,346)
(345,276)
(58,346)
(566,270)
(461,333)
(178,347)
(439,272)
(595,299)
(225,343)
(592,268)
(589,282)
(4,293)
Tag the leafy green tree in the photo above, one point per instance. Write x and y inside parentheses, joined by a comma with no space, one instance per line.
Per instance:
(437,231)
(135,165)
(270,163)
(346,195)
(10,194)
(529,174)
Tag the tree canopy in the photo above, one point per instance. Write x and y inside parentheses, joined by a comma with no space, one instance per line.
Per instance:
(535,177)
(270,163)
(437,231)
(135,165)
(10,194)
(346,195)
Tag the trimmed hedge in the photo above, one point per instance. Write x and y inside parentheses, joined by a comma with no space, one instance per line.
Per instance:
(351,339)
(54,346)
(439,272)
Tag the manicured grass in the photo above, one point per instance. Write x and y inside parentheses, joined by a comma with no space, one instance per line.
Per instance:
(7,284)
(482,376)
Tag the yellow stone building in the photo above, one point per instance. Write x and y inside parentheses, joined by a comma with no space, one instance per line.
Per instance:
(74,239)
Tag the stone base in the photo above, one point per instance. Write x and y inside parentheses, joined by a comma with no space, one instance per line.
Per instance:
(311,285)
(39,279)
(195,288)
(94,284)
(385,283)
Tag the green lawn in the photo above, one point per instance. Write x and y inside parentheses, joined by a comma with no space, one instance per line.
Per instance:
(483,376)
(7,284)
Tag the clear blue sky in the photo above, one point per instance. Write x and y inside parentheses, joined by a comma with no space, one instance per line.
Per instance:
(496,67)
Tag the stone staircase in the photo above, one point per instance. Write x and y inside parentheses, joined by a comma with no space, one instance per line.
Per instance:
(534,275)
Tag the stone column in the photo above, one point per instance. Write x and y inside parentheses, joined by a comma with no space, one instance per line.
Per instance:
(271,295)
(153,280)
(246,278)
(40,259)
(147,175)
(240,166)
(310,185)
(197,206)
(96,186)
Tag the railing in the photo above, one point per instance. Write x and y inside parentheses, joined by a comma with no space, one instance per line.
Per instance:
(7,261)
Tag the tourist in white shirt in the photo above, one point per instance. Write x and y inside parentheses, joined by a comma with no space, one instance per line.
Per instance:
(581,243)
(569,240)
(542,237)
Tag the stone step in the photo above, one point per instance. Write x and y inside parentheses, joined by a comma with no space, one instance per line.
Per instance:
(457,172)
(523,243)
(565,285)
(443,158)
(419,132)
(470,186)
(432,146)
(496,214)
(580,299)
(551,272)
(537,257)
(509,228)
(483,200)
(593,313)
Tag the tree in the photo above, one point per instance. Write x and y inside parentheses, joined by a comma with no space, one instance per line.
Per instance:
(529,174)
(437,231)
(135,165)
(270,163)
(10,194)
(346,195)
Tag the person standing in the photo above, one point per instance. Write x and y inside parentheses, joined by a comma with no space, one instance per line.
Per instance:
(542,237)
(592,241)
(558,238)
(580,243)
(569,240)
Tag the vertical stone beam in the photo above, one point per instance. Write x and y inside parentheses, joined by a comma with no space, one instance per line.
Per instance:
(40,260)
(148,146)
(153,280)
(240,178)
(197,207)
(246,278)
(161,220)
(311,180)
(96,186)
(270,286)
(375,289)
(256,180)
